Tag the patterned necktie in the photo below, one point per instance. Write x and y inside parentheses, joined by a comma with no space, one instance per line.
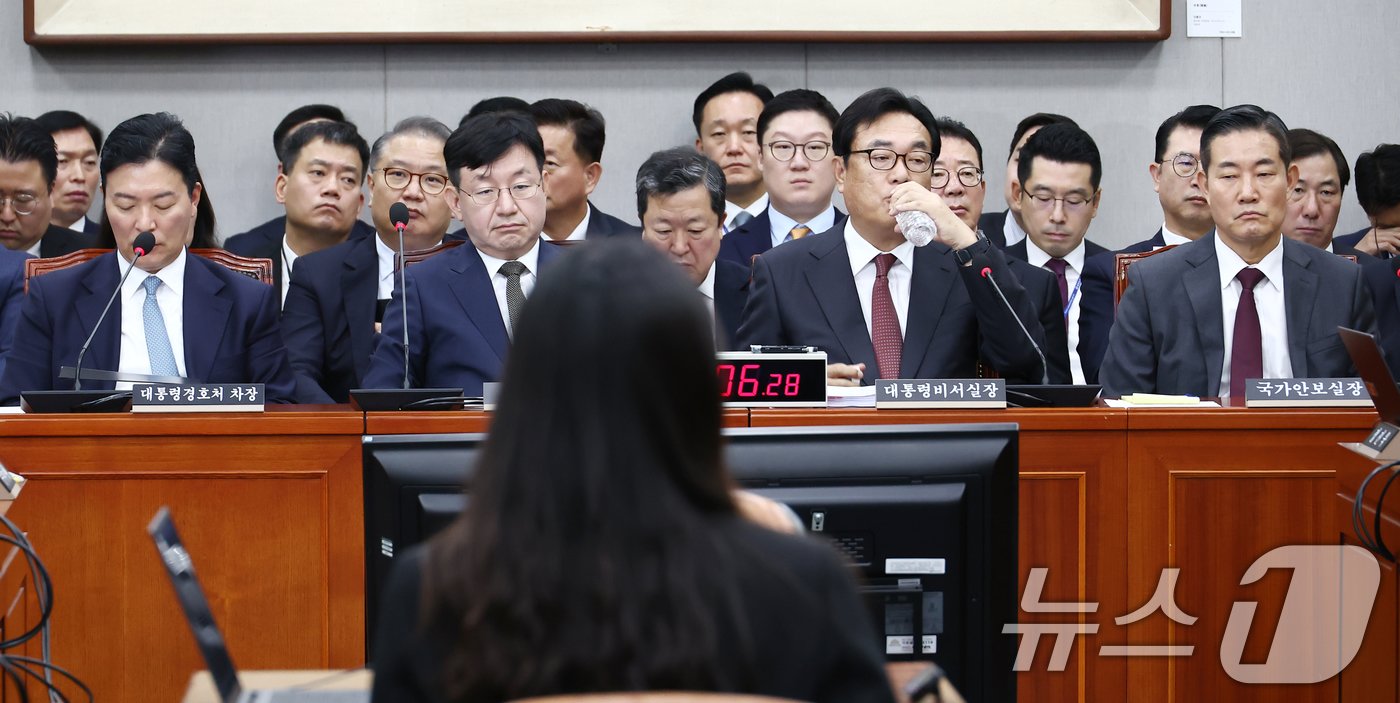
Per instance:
(1247,351)
(797,232)
(157,339)
(740,219)
(1058,267)
(884,323)
(515,295)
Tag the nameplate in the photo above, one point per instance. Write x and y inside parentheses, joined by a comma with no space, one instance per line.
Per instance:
(1306,393)
(197,398)
(1381,438)
(940,393)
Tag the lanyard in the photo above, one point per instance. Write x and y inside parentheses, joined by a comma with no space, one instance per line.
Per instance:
(1072,294)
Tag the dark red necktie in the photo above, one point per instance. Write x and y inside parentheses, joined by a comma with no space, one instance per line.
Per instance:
(1247,351)
(884,323)
(1058,267)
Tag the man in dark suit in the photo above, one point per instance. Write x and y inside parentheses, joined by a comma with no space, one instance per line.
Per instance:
(1378,191)
(1383,279)
(574,135)
(957,178)
(726,130)
(799,170)
(1185,217)
(11,299)
(1243,303)
(1058,187)
(680,201)
(462,304)
(337,296)
(1006,228)
(1316,201)
(880,307)
(28,172)
(79,142)
(319,184)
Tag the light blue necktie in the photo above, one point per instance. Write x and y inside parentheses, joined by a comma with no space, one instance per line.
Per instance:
(157,340)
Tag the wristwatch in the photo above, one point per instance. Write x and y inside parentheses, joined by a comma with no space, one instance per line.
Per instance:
(964,255)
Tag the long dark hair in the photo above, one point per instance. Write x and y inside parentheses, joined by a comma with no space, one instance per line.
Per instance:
(587,559)
(157,137)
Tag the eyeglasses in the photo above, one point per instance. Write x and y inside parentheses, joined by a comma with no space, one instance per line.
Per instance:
(814,151)
(1074,202)
(23,204)
(1184,164)
(968,176)
(398,179)
(885,159)
(519,191)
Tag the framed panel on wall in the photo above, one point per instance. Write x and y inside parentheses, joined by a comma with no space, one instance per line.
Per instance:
(108,22)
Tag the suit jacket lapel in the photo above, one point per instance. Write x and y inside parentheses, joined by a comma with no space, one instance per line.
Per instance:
(1202,282)
(472,286)
(835,290)
(360,282)
(206,310)
(1299,296)
(928,295)
(105,352)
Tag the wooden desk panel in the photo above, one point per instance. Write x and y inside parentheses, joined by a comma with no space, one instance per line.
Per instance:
(269,506)
(1073,521)
(1209,492)
(1374,675)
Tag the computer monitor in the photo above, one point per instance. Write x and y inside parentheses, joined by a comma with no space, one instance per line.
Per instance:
(927,513)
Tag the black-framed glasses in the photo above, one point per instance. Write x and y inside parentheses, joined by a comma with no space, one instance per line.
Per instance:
(399,178)
(519,191)
(24,203)
(885,159)
(967,175)
(1074,202)
(813,151)
(1183,164)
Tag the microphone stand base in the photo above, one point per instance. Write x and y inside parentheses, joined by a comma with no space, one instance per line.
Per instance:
(100,401)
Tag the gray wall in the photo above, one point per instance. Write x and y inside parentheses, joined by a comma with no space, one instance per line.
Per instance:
(1328,66)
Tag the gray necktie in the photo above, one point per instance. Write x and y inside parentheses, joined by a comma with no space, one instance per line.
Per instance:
(157,339)
(515,295)
(740,219)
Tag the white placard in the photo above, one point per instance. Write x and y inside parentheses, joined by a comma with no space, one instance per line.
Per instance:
(914,566)
(1214,18)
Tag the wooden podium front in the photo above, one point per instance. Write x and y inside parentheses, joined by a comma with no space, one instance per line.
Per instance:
(268,504)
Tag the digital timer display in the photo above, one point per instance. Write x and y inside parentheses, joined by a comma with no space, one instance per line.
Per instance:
(767,380)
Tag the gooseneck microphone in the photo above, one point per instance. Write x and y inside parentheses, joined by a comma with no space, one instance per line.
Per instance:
(398,214)
(1044,365)
(143,243)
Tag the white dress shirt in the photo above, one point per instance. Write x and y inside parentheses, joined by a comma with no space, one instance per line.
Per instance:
(782,224)
(289,257)
(1074,265)
(1268,299)
(1172,238)
(1011,230)
(387,279)
(531,259)
(755,209)
(134,357)
(79,224)
(34,250)
(862,255)
(707,290)
(581,231)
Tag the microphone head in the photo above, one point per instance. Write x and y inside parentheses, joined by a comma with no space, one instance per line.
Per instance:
(143,243)
(398,215)
(986,272)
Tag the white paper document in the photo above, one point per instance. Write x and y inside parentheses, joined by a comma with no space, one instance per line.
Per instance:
(850,396)
(1214,18)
